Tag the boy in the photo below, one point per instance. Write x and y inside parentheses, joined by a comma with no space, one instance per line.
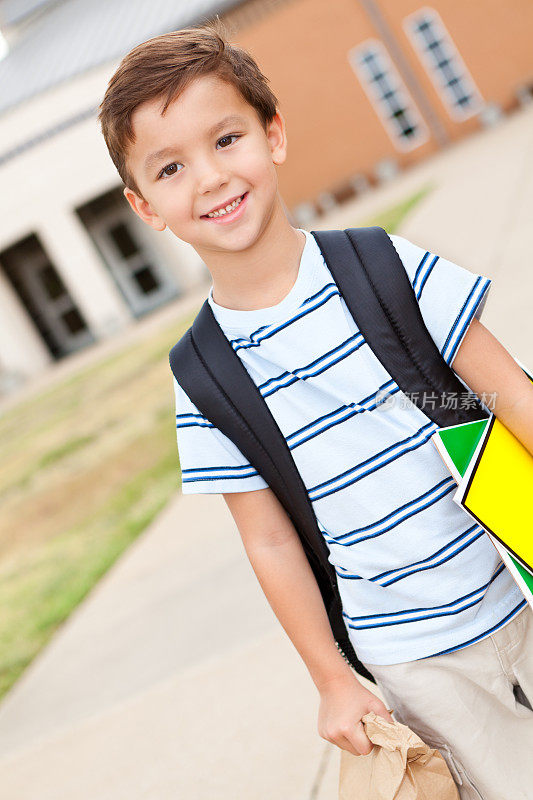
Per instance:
(196,136)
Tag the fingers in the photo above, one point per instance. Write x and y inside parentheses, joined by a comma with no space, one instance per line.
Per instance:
(360,740)
(345,744)
(352,736)
(381,710)
(354,740)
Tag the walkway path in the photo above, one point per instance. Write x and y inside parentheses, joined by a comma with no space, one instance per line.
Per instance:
(172,680)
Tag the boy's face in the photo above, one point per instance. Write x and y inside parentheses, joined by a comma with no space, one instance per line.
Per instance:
(216,151)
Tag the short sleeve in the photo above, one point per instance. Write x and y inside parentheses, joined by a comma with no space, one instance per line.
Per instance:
(209,461)
(449,296)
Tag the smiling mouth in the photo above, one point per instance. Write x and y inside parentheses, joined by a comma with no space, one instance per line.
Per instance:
(221,212)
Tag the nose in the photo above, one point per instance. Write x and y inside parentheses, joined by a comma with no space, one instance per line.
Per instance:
(211,176)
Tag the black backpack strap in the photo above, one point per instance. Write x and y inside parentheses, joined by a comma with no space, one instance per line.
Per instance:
(376,288)
(214,377)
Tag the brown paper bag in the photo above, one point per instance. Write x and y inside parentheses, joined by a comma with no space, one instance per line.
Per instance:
(399,767)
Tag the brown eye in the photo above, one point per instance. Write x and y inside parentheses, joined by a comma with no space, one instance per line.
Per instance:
(170,169)
(225,141)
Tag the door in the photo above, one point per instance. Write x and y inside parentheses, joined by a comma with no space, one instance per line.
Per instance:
(41,289)
(143,282)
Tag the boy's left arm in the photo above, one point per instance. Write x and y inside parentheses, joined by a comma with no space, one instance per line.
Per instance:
(486,367)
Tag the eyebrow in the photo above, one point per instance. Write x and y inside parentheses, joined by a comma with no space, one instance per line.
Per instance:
(152,160)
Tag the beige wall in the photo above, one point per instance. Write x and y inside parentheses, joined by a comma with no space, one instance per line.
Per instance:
(44,185)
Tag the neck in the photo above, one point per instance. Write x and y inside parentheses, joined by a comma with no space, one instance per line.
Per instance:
(262,275)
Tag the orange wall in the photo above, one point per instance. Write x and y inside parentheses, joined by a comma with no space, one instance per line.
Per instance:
(333,130)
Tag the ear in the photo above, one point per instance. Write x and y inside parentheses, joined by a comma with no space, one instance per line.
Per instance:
(277,138)
(143,210)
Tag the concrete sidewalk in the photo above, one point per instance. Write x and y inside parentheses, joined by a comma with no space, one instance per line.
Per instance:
(173,678)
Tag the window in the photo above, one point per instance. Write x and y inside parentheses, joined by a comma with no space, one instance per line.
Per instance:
(73,321)
(445,66)
(51,282)
(123,240)
(388,94)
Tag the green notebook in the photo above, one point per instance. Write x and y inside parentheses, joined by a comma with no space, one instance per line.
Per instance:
(457,445)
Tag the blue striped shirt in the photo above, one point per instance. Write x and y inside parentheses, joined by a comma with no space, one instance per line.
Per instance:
(416,574)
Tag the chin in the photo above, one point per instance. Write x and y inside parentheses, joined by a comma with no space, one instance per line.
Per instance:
(239,239)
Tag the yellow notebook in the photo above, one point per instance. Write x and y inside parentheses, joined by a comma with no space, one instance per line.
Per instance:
(497,489)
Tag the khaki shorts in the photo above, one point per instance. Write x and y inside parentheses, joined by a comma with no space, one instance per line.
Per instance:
(464,704)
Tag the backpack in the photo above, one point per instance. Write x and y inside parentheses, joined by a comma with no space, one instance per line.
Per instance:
(372,280)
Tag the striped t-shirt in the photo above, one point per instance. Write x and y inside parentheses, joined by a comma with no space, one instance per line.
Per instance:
(416,574)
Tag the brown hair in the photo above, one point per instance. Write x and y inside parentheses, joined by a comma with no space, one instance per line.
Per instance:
(162,67)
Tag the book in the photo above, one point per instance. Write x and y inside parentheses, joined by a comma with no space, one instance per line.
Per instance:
(494,473)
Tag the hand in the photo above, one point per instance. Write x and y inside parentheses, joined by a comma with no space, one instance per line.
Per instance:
(343,702)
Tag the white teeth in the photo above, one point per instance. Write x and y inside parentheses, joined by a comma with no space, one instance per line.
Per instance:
(226,210)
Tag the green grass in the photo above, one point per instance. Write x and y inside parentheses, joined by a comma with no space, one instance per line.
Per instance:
(73,503)
(84,468)
(57,453)
(391,218)
(43,589)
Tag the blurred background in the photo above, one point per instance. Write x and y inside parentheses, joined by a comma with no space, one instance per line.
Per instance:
(133,633)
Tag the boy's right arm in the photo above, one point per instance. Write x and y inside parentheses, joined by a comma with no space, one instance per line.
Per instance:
(281,566)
